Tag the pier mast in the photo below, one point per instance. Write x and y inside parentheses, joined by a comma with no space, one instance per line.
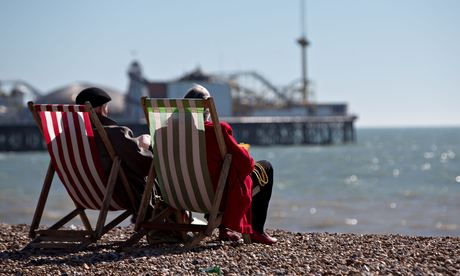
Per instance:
(304,43)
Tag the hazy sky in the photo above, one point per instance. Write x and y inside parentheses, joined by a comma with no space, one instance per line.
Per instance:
(395,62)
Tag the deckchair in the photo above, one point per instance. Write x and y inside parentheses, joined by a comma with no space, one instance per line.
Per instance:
(68,132)
(179,167)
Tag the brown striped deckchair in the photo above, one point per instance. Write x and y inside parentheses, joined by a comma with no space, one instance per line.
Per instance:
(180,166)
(68,133)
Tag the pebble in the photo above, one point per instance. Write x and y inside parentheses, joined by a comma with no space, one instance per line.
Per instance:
(295,253)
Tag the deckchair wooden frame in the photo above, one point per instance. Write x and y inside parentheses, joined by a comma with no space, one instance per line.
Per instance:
(53,236)
(143,225)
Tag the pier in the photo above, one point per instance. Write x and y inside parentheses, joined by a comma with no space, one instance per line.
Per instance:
(263,131)
(293,130)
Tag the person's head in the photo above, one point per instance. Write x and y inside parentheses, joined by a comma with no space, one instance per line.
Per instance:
(198,92)
(97,97)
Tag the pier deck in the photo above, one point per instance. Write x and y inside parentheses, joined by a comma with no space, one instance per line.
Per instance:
(252,130)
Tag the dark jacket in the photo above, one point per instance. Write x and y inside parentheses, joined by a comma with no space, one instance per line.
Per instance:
(134,160)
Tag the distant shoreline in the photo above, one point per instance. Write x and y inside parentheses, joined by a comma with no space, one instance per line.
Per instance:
(295,253)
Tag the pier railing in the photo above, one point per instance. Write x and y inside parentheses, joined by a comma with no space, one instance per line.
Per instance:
(293,130)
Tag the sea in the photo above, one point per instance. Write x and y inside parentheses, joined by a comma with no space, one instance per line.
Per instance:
(389,181)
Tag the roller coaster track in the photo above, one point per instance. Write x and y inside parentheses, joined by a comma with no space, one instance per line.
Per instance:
(32,89)
(257,76)
(265,93)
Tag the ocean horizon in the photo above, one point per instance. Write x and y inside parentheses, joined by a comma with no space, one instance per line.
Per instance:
(392,180)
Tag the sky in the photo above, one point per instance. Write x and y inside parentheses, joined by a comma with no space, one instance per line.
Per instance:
(395,62)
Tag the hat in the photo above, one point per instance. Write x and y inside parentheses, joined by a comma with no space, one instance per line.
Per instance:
(197,92)
(94,95)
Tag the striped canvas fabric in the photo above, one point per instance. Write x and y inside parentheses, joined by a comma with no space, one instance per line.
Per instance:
(178,140)
(70,140)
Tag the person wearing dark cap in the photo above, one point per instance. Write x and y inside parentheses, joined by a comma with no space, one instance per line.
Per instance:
(134,152)
(243,212)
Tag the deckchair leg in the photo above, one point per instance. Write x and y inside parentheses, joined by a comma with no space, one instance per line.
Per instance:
(51,234)
(65,219)
(220,188)
(42,200)
(142,231)
(146,196)
(116,221)
(85,220)
(108,197)
(213,225)
(135,238)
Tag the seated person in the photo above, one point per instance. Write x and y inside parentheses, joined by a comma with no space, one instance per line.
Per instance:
(134,152)
(242,212)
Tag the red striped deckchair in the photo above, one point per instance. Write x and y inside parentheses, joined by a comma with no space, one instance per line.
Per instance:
(180,167)
(68,132)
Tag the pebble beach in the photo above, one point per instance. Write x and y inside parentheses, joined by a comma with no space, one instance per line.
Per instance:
(294,254)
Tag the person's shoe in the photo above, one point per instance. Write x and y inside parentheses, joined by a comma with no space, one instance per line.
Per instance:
(263,238)
(228,235)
